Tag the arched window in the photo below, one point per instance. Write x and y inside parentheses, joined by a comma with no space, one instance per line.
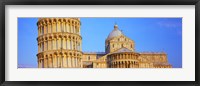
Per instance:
(43,46)
(50,28)
(52,45)
(57,44)
(47,45)
(46,28)
(88,57)
(42,63)
(69,28)
(67,61)
(66,27)
(61,28)
(66,43)
(43,30)
(72,28)
(77,30)
(61,43)
(70,44)
(56,27)
(74,62)
(40,47)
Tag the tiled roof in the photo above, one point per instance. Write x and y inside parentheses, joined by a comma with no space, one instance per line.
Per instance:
(160,63)
(94,52)
(123,50)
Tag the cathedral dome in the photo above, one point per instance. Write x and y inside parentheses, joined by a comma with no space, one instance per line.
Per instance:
(115,33)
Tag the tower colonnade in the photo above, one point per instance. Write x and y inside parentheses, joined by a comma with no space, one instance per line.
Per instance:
(59,43)
(54,25)
(123,60)
(58,59)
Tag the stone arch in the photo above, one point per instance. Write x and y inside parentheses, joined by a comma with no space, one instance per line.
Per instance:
(129,64)
(126,66)
(46,56)
(55,36)
(72,22)
(70,53)
(43,22)
(122,64)
(115,64)
(50,37)
(50,20)
(68,21)
(64,20)
(42,39)
(46,61)
(69,37)
(115,56)
(65,36)
(75,22)
(45,38)
(46,21)
(59,20)
(73,37)
(120,56)
(125,56)
(60,53)
(129,56)
(55,53)
(59,35)
(54,20)
(50,60)
(74,54)
(51,54)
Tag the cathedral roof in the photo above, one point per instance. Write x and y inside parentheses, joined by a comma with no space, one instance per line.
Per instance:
(94,53)
(160,63)
(123,50)
(115,33)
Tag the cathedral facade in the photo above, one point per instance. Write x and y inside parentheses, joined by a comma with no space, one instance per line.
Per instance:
(60,42)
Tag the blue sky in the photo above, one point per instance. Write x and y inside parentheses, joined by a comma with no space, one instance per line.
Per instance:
(149,34)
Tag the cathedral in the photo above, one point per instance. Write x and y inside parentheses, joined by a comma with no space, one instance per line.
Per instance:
(60,46)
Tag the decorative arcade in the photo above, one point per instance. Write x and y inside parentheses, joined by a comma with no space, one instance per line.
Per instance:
(60,46)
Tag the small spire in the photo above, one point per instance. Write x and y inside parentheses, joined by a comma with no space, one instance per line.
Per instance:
(115,26)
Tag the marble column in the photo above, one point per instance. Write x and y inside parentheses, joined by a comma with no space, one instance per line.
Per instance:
(45,62)
(39,63)
(64,61)
(70,61)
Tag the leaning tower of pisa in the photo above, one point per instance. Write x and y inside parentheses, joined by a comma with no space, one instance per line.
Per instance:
(59,43)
